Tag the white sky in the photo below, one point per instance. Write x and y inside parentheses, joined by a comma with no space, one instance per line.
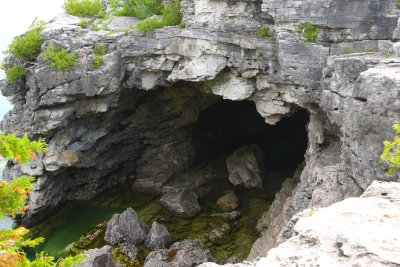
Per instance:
(15,18)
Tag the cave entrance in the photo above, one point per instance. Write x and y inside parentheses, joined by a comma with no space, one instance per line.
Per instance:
(228,125)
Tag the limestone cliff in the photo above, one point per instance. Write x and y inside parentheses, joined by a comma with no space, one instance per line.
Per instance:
(131,119)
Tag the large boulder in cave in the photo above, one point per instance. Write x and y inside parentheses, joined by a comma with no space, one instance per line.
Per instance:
(246,166)
(126,228)
(158,237)
(182,203)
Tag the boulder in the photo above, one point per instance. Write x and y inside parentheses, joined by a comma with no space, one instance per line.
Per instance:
(228,202)
(99,257)
(130,251)
(220,235)
(158,237)
(126,228)
(182,203)
(246,166)
(187,253)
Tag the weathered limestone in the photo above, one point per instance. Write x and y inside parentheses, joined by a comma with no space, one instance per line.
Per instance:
(246,166)
(158,237)
(99,257)
(187,253)
(182,203)
(126,228)
(130,120)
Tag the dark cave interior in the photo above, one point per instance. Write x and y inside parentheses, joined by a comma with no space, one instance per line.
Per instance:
(228,125)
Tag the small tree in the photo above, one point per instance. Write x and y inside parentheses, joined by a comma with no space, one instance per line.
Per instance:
(12,201)
(391,152)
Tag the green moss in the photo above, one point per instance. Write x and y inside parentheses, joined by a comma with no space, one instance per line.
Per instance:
(59,59)
(95,28)
(181,25)
(263,32)
(15,74)
(84,8)
(97,61)
(309,31)
(27,46)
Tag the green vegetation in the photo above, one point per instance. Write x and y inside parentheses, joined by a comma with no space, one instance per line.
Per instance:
(15,73)
(391,152)
(27,47)
(99,51)
(84,8)
(398,4)
(59,59)
(181,25)
(171,15)
(263,32)
(141,9)
(12,201)
(309,31)
(84,23)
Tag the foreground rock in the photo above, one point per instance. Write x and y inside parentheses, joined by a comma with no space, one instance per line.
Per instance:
(355,232)
(182,203)
(99,257)
(187,253)
(246,167)
(158,237)
(126,228)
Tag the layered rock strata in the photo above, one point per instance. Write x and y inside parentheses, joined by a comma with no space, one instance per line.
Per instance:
(130,121)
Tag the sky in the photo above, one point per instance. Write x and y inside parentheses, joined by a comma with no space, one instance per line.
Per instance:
(15,18)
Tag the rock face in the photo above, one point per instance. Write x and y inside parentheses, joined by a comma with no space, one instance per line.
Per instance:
(187,253)
(131,120)
(182,203)
(126,228)
(158,237)
(354,232)
(246,167)
(99,257)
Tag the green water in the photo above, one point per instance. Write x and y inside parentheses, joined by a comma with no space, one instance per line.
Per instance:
(77,218)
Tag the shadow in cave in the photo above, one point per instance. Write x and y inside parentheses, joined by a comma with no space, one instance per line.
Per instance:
(228,125)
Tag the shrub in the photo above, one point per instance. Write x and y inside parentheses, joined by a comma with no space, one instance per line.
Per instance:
(141,9)
(15,73)
(149,24)
(59,59)
(83,23)
(171,15)
(391,152)
(99,51)
(83,8)
(263,32)
(309,32)
(13,195)
(27,46)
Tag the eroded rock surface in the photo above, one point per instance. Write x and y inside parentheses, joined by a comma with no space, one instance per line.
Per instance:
(182,203)
(99,257)
(130,120)
(158,237)
(187,253)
